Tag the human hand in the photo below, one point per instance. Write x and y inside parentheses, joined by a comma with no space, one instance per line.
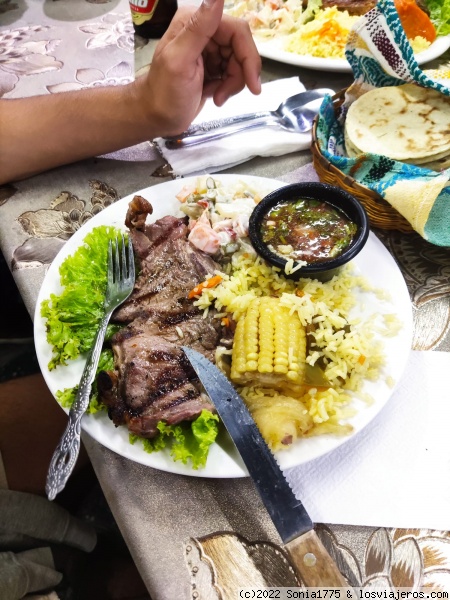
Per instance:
(203,54)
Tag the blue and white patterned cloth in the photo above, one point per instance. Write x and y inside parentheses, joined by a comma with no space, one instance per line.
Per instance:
(380,55)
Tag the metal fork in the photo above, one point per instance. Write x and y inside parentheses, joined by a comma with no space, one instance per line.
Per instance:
(120,283)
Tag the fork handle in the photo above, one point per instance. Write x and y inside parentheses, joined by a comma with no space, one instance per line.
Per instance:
(66,452)
(188,139)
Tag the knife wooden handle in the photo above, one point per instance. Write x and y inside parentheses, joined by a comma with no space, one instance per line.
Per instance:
(313,563)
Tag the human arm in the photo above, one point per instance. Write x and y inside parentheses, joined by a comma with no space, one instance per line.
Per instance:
(203,54)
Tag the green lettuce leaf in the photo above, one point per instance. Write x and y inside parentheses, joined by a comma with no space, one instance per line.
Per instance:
(440,15)
(72,317)
(188,441)
(66,397)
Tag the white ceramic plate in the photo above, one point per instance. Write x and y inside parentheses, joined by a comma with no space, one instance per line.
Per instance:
(273,49)
(224,461)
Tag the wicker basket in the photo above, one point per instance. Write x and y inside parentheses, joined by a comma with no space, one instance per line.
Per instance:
(381,213)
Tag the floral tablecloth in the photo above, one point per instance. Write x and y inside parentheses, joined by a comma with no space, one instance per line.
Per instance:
(225,538)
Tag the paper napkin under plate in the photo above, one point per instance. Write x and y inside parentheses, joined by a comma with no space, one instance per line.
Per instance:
(395,472)
(240,147)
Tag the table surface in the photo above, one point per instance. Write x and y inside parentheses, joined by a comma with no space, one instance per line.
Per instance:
(225,539)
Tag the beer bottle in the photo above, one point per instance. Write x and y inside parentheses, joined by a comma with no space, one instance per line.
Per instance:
(151,18)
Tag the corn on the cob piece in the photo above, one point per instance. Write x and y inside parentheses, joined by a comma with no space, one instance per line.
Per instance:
(269,346)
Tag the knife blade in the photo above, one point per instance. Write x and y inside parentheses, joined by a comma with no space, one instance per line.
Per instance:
(315,566)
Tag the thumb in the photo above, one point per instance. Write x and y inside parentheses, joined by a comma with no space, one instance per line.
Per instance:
(200,28)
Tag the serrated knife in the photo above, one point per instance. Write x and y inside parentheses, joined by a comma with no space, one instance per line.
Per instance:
(315,566)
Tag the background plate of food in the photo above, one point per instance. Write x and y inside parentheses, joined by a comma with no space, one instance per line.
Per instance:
(314,36)
(357,331)
(273,49)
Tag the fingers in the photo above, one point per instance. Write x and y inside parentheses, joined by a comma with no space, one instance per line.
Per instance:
(199,29)
(233,81)
(177,24)
(241,62)
(220,45)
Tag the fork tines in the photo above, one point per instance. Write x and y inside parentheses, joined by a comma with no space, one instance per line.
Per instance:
(119,267)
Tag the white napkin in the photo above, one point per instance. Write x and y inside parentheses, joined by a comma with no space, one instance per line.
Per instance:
(396,471)
(238,148)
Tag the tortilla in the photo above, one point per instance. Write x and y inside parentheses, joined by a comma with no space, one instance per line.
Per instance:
(437,165)
(405,122)
(351,149)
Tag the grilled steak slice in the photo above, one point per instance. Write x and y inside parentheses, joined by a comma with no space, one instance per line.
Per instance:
(152,380)
(360,7)
(187,328)
(354,7)
(170,267)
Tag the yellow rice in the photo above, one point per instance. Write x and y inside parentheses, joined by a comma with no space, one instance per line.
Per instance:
(325,36)
(348,349)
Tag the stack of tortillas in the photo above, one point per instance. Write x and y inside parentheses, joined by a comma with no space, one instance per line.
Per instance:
(408,123)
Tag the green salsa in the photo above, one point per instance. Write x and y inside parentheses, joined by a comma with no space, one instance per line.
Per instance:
(307,230)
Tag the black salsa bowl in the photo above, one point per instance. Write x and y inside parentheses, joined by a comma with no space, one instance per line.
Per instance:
(338,199)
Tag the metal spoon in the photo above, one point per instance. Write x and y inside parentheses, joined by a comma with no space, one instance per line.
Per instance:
(294,114)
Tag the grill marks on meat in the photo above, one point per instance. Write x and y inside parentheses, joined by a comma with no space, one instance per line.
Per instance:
(360,7)
(153,381)
(170,268)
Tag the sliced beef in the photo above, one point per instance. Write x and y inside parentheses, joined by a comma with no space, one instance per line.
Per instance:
(170,267)
(152,380)
(354,7)
(360,7)
(187,328)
